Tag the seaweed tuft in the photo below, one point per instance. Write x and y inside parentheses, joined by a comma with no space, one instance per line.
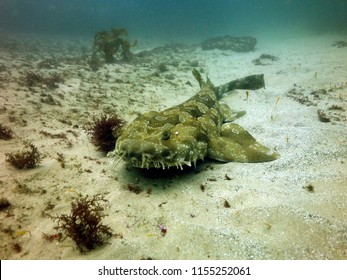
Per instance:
(4,203)
(32,79)
(104,131)
(108,44)
(83,225)
(28,158)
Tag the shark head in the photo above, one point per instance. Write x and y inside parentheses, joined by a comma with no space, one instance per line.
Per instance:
(162,140)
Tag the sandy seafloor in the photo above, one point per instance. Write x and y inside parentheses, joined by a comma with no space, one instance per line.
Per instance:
(272,213)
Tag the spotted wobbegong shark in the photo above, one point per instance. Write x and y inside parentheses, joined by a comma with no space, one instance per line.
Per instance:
(199,128)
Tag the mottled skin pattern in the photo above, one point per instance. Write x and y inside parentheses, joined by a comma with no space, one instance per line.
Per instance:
(181,135)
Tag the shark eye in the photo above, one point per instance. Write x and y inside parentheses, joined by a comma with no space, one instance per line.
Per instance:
(165,153)
(166,135)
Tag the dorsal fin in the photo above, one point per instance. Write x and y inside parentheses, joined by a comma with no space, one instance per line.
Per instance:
(198,77)
(201,82)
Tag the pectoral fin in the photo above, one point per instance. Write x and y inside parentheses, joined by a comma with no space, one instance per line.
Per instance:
(237,144)
(228,114)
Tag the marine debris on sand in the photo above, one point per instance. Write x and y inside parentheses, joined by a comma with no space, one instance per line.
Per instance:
(330,103)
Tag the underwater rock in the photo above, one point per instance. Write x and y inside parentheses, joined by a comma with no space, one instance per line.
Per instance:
(238,44)
(265,59)
(6,132)
(322,116)
(340,44)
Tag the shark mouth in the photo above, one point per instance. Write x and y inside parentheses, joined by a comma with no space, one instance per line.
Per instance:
(146,154)
(148,161)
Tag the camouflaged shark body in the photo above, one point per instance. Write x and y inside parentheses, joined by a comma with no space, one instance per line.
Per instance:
(198,128)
